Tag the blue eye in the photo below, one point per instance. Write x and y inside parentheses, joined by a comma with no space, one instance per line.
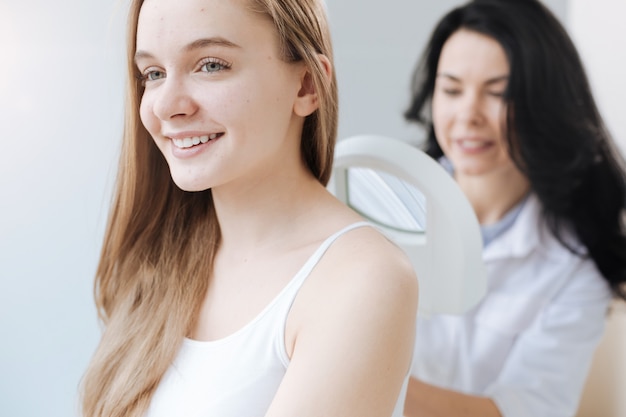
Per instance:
(213,65)
(151,75)
(154,75)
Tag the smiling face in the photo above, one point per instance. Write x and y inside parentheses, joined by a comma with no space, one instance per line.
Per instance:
(219,98)
(468,109)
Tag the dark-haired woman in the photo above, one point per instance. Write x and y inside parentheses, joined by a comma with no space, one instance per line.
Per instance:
(508,109)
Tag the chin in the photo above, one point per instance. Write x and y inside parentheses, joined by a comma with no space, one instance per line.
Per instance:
(192,189)
(190,184)
(470,170)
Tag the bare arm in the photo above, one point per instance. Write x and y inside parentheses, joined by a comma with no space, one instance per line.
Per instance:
(424,400)
(354,327)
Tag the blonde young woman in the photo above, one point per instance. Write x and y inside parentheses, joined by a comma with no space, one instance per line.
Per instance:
(231,283)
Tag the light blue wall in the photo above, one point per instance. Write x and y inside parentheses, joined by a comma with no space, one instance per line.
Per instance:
(60,115)
(60,109)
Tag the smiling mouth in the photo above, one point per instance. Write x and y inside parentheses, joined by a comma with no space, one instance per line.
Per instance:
(472,144)
(192,141)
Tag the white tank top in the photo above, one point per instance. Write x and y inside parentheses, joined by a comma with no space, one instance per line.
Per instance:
(237,376)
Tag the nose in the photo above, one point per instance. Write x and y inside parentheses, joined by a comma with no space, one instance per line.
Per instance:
(471,108)
(173,99)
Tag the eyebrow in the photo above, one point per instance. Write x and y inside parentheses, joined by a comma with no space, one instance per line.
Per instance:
(197,44)
(490,81)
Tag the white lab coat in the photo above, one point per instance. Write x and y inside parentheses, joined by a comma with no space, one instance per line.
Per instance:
(528,345)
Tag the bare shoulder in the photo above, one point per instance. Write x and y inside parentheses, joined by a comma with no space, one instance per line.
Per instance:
(354,319)
(366,247)
(364,260)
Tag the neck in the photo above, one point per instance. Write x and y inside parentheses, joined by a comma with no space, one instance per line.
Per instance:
(265,212)
(493,195)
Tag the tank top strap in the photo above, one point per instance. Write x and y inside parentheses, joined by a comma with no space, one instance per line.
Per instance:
(301,276)
(290,292)
(317,255)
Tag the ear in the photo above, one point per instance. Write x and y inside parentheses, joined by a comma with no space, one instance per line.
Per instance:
(308,101)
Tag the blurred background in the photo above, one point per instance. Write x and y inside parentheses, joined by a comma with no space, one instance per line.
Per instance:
(61,95)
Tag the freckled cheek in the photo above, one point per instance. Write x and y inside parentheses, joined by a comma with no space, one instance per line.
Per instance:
(220,103)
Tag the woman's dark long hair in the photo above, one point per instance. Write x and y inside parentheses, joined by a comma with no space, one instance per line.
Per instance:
(555,133)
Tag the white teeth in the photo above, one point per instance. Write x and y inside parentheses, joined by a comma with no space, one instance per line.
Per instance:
(193,141)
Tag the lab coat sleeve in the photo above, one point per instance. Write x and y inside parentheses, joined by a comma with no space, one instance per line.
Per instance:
(545,371)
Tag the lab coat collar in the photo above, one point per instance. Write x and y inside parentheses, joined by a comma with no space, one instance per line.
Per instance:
(523,236)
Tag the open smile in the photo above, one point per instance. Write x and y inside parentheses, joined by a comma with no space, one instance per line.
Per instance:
(192,141)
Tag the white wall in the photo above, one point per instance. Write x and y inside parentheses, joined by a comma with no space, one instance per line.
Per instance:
(598,30)
(60,109)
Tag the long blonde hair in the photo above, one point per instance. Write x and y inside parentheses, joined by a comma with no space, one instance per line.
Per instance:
(152,276)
